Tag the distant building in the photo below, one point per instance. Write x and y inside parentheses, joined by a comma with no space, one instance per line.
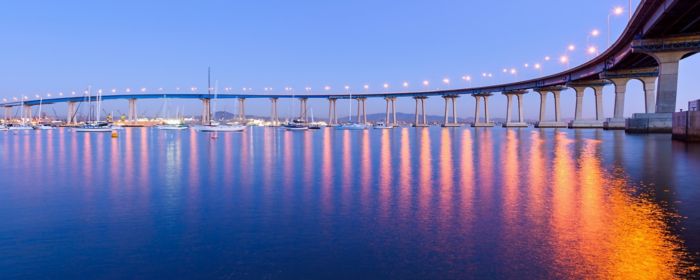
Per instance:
(694,105)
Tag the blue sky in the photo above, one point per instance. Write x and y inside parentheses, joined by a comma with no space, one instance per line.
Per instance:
(52,46)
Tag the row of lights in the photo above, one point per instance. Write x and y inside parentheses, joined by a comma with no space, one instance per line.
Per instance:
(564,59)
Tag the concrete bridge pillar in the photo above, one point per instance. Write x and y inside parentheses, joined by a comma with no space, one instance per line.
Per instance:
(206,112)
(390,111)
(363,112)
(618,119)
(420,102)
(509,108)
(241,109)
(477,122)
(668,79)
(598,91)
(450,101)
(649,94)
(393,112)
(578,115)
(557,105)
(543,105)
(556,91)
(72,113)
(332,115)
(521,117)
(274,117)
(132,117)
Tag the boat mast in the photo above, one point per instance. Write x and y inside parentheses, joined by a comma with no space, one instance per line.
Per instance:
(209,93)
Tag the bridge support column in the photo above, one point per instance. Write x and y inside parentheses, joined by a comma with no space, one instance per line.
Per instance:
(72,113)
(450,100)
(364,110)
(668,79)
(578,115)
(394,123)
(302,109)
(423,121)
(332,115)
(132,117)
(206,111)
(649,94)
(390,111)
(477,121)
(241,109)
(8,112)
(618,119)
(556,91)
(579,88)
(274,117)
(667,52)
(509,108)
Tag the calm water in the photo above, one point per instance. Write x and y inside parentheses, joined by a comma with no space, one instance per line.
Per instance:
(403,203)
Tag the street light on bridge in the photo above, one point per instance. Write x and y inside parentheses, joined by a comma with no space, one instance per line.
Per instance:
(615,12)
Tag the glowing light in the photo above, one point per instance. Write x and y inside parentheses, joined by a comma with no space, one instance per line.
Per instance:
(537,66)
(426,83)
(505,70)
(513,71)
(592,50)
(129,90)
(564,59)
(143,89)
(386,85)
(467,78)
(308,89)
(327,88)
(571,48)
(405,84)
(347,87)
(618,11)
(366,87)
(547,58)
(446,81)
(114,90)
(595,32)
(526,65)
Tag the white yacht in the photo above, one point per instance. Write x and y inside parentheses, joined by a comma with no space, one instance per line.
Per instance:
(20,127)
(44,127)
(219,128)
(94,127)
(172,127)
(382,125)
(351,126)
(3,127)
(296,125)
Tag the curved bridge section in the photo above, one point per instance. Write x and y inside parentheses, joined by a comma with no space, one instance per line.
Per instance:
(659,35)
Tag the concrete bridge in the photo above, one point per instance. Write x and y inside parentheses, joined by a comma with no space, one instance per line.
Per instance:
(658,36)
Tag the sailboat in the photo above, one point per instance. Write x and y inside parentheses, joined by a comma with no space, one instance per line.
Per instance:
(23,123)
(351,125)
(313,124)
(42,126)
(170,124)
(96,125)
(216,127)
